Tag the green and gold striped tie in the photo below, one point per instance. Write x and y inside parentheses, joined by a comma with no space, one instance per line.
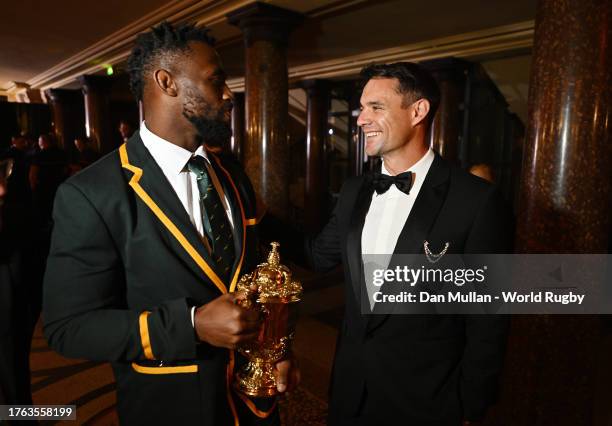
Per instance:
(217,227)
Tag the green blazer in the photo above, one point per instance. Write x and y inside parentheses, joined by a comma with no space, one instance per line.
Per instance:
(125,267)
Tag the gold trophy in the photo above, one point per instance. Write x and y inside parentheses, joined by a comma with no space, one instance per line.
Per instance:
(271,289)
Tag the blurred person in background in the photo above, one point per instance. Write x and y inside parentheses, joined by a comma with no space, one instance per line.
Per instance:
(126,130)
(14,337)
(85,155)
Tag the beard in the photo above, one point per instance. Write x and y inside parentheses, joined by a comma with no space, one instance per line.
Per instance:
(211,124)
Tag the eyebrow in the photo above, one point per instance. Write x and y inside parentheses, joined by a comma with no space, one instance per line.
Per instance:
(374,103)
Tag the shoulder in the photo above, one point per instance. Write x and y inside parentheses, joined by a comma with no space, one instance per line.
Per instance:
(470,187)
(100,180)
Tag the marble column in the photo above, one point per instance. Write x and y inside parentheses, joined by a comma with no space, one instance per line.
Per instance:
(356,142)
(317,109)
(140,112)
(446,130)
(96,90)
(266,31)
(237,126)
(565,196)
(68,112)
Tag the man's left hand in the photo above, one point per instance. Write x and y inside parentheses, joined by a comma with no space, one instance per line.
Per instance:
(287,374)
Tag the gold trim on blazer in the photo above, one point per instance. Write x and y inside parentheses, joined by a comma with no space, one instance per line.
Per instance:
(166,221)
(237,273)
(143,322)
(181,369)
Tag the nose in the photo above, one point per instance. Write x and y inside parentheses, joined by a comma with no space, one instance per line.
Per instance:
(227,93)
(363,119)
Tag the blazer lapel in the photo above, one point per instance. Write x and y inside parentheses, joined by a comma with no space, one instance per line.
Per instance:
(238,215)
(420,221)
(151,186)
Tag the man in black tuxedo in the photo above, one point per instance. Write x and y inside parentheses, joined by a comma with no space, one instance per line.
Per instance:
(149,242)
(412,369)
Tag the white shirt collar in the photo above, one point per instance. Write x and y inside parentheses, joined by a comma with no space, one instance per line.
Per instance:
(420,168)
(171,158)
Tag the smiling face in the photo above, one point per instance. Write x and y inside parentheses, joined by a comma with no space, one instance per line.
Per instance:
(386,121)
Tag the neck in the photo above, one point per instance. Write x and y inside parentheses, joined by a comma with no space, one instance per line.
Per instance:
(174,128)
(408,155)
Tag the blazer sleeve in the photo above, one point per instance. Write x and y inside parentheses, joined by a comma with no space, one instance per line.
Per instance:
(85,312)
(485,335)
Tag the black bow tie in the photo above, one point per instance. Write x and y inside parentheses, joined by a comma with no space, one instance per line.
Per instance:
(382,182)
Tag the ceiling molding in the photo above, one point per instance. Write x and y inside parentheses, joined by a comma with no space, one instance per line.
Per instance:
(493,40)
(116,47)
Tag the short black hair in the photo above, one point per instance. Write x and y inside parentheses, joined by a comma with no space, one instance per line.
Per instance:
(415,82)
(157,44)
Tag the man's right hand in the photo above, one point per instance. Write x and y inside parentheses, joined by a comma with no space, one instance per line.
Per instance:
(225,324)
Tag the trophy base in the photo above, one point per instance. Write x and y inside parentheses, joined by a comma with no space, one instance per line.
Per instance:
(256,379)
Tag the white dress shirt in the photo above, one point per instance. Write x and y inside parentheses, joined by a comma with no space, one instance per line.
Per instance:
(388,213)
(172,159)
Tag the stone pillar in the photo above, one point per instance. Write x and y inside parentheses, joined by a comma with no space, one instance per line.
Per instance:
(68,115)
(96,90)
(140,112)
(237,141)
(356,142)
(564,198)
(446,130)
(266,31)
(317,109)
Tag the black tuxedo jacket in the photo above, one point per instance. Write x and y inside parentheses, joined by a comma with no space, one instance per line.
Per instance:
(416,369)
(125,267)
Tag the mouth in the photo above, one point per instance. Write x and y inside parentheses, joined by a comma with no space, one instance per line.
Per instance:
(372,134)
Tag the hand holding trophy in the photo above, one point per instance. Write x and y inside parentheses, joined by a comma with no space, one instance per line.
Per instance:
(271,289)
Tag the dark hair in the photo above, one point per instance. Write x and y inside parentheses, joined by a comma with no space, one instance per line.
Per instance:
(161,42)
(415,82)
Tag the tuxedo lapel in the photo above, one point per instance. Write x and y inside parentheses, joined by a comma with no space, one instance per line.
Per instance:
(425,209)
(420,221)
(151,186)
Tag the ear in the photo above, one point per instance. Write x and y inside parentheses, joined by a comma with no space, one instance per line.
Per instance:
(421,108)
(165,82)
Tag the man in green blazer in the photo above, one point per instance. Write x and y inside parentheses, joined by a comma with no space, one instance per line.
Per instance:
(148,245)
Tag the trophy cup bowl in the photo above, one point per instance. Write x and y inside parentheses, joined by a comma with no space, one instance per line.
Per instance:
(277,296)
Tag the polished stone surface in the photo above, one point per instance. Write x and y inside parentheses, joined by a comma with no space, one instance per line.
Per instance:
(553,362)
(96,90)
(237,141)
(265,152)
(446,127)
(566,187)
(317,108)
(68,111)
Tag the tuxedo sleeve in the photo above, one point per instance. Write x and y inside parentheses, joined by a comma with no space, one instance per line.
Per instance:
(485,335)
(85,313)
